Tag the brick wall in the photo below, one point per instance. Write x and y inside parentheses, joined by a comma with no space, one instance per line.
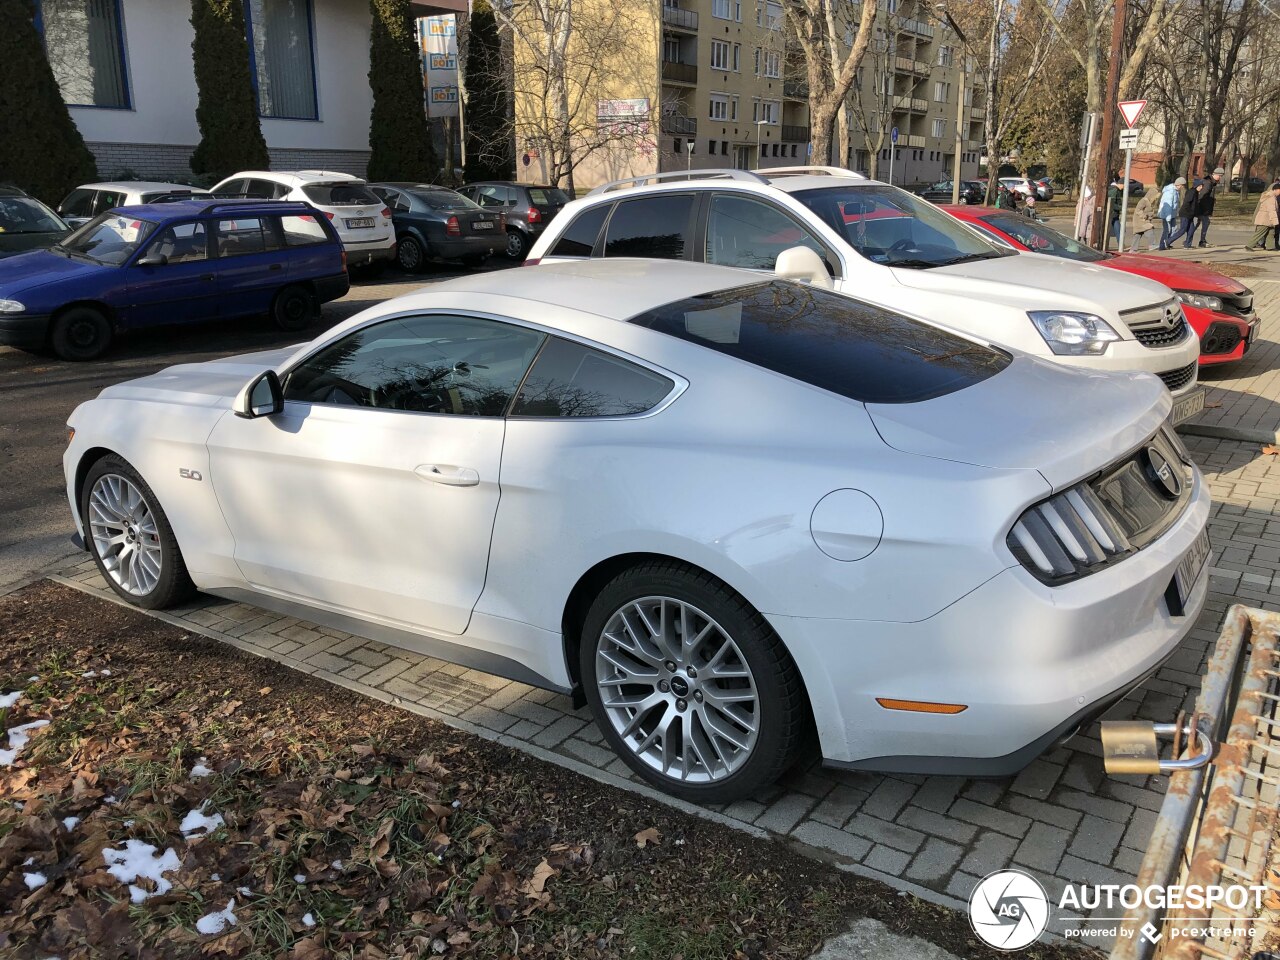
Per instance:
(162,161)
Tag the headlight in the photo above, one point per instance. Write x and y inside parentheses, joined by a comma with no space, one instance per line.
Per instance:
(1073,334)
(1203,300)
(11,306)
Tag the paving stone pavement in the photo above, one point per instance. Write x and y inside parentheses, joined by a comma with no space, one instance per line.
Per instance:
(1061,817)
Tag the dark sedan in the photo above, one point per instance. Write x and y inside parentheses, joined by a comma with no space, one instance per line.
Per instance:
(527,207)
(436,223)
(1256,184)
(26,223)
(941,192)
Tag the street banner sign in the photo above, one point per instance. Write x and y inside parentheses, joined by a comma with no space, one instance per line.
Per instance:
(1129,139)
(1131,110)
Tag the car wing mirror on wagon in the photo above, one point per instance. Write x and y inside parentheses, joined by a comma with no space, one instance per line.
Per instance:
(260,397)
(802,263)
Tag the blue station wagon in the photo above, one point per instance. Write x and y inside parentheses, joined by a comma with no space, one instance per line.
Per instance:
(162,263)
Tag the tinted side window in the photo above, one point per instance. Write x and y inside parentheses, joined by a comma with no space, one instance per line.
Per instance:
(108,200)
(302,230)
(182,243)
(654,227)
(436,364)
(79,203)
(570,380)
(742,232)
(580,239)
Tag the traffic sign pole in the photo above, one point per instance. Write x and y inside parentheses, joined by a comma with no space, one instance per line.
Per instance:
(1131,110)
(893,151)
(1124,200)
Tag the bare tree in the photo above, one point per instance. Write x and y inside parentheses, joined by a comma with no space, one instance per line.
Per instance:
(872,109)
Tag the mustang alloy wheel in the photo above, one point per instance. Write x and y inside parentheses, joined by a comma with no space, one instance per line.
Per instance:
(689,684)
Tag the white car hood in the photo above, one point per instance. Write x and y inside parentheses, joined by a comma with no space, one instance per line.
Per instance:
(207,384)
(1065,422)
(1030,279)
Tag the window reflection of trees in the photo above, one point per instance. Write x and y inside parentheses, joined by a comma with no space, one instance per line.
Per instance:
(665,246)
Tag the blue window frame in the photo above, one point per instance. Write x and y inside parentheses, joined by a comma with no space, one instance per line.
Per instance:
(281,37)
(84,42)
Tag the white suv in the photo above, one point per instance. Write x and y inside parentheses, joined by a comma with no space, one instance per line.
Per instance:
(362,220)
(875,242)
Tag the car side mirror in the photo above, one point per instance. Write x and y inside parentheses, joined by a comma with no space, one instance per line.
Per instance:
(153,260)
(802,263)
(260,397)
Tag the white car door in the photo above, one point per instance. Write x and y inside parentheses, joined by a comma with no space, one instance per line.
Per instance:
(374,491)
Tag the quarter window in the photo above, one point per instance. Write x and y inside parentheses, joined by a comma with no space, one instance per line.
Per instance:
(580,239)
(570,380)
(84,41)
(284,73)
(742,232)
(463,366)
(302,230)
(655,227)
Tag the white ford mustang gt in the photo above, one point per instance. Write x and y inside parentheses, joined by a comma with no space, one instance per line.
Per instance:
(724,509)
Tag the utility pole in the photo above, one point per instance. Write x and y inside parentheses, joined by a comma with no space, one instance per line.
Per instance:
(1102,179)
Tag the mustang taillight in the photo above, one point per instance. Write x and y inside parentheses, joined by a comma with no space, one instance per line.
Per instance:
(451,227)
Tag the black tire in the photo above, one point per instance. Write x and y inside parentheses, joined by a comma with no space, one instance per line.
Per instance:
(411,255)
(782,717)
(293,308)
(173,585)
(517,245)
(81,333)
(475,260)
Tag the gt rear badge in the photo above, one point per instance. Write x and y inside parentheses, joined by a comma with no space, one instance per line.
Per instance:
(186,474)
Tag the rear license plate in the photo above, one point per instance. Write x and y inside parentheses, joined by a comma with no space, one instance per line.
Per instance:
(1184,408)
(482,225)
(359,223)
(1192,563)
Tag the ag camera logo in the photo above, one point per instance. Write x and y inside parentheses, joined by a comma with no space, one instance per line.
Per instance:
(1008,910)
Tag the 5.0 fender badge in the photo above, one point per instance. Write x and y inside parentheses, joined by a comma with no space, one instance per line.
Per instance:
(186,474)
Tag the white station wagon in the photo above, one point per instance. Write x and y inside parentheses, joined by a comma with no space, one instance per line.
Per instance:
(723,509)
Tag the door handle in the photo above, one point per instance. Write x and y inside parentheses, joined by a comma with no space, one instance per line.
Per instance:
(276,266)
(447,474)
(207,276)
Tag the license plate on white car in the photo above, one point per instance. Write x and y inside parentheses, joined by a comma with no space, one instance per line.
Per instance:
(1184,408)
(1192,563)
(359,223)
(482,225)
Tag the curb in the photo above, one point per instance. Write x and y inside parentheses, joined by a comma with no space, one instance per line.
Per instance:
(1244,434)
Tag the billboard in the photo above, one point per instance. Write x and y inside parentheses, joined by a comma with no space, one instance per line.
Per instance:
(438,43)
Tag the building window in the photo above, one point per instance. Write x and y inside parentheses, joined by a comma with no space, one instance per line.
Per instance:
(772,64)
(719,55)
(679,145)
(711,147)
(737,58)
(939,127)
(793,150)
(670,49)
(773,15)
(282,56)
(719,107)
(941,91)
(733,107)
(737,10)
(757,61)
(945,56)
(724,147)
(84,41)
(720,9)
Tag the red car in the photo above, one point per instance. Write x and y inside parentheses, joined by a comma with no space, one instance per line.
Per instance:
(1219,308)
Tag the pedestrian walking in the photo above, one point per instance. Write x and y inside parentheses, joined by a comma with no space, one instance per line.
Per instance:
(1186,216)
(1266,218)
(1170,202)
(1205,205)
(1144,217)
(1114,197)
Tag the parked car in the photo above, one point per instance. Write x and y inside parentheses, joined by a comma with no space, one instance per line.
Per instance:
(527,207)
(26,223)
(1045,188)
(943,192)
(363,221)
(774,509)
(1218,309)
(436,223)
(885,245)
(85,202)
(179,262)
(1256,184)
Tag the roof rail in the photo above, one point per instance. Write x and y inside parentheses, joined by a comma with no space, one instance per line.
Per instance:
(819,171)
(724,174)
(249,202)
(327,173)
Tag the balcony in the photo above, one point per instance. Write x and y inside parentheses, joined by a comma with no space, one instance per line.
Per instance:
(918,27)
(974,145)
(796,90)
(680,19)
(794,133)
(912,140)
(909,65)
(910,105)
(679,72)
(682,126)
(977,113)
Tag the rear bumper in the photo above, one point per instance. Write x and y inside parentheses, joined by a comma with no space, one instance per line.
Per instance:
(332,288)
(1029,663)
(367,251)
(457,248)
(25,330)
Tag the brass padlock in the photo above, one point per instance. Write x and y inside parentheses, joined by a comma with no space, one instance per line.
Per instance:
(1131,746)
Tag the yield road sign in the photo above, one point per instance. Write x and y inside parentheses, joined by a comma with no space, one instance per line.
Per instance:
(1131,110)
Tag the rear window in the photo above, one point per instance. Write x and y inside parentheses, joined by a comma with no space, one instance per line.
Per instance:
(340,194)
(547,197)
(580,239)
(442,199)
(857,350)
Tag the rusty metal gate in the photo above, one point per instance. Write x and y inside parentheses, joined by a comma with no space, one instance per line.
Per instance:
(1218,823)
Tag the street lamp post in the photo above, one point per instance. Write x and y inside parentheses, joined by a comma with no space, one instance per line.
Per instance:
(941,9)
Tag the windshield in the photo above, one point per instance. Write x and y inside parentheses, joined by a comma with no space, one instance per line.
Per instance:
(890,226)
(110,238)
(442,199)
(28,215)
(1038,238)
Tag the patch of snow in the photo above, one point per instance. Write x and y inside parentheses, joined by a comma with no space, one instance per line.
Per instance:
(106,673)
(19,805)
(29,861)
(128,824)
(35,880)
(33,678)
(138,860)
(110,801)
(299,878)
(244,891)
(87,675)
(217,921)
(308,920)
(200,770)
(216,878)
(457,804)
(17,740)
(69,823)
(196,821)
(337,864)
(7,700)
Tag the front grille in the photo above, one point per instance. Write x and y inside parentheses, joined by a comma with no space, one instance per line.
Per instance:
(1220,338)
(1179,378)
(1162,325)
(1108,517)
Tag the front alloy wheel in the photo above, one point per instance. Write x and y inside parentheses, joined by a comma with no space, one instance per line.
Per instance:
(125,535)
(677,690)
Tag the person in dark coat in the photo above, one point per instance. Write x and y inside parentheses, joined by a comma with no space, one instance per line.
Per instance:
(1204,207)
(1186,215)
